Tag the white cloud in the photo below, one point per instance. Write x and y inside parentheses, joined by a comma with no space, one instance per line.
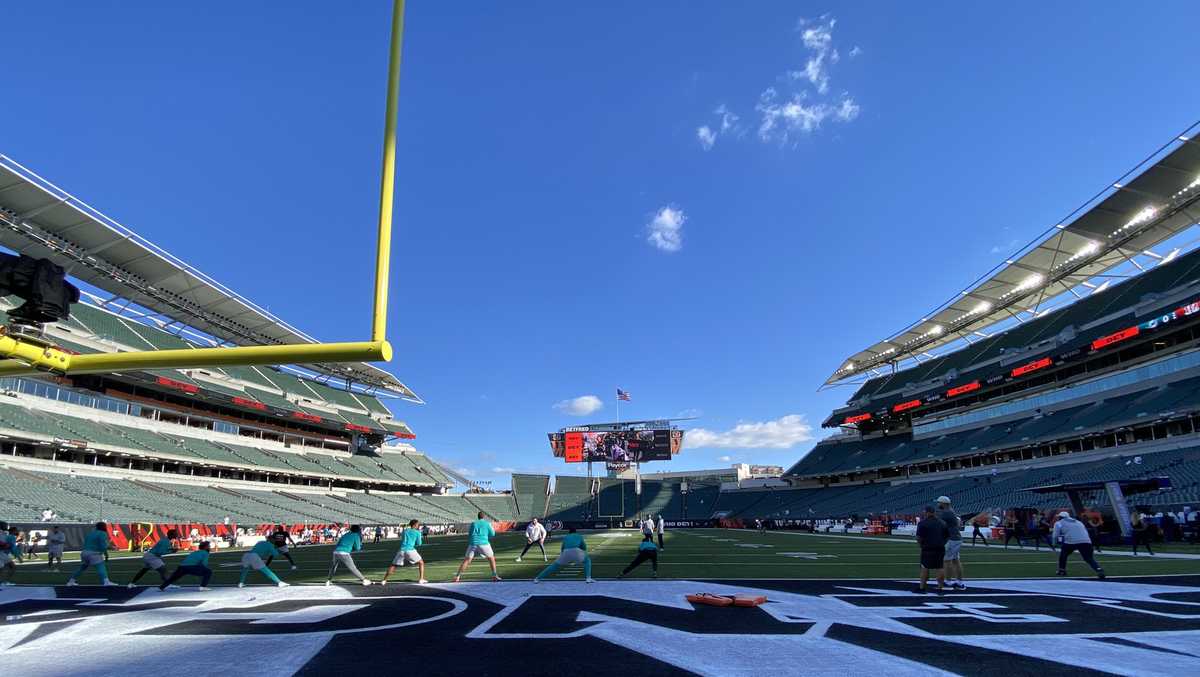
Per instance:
(855,51)
(782,433)
(665,230)
(580,406)
(503,471)
(724,459)
(726,123)
(707,137)
(847,110)
(781,119)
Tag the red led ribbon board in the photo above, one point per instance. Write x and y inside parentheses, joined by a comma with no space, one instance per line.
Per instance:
(574,447)
(965,388)
(359,428)
(905,406)
(250,403)
(306,417)
(406,436)
(1106,341)
(177,385)
(859,418)
(1032,366)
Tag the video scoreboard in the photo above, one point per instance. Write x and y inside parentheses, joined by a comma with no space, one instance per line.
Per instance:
(616,446)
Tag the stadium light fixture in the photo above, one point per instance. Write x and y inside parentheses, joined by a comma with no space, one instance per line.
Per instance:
(21,354)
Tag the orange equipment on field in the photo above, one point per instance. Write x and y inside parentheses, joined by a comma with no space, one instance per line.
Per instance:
(726,600)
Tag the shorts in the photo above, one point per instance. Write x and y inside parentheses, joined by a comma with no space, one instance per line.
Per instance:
(483,550)
(406,557)
(55,550)
(152,561)
(252,561)
(572,556)
(5,558)
(91,557)
(932,558)
(952,548)
(283,549)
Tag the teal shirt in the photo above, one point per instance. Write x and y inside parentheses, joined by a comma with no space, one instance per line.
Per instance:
(96,541)
(162,547)
(12,545)
(349,542)
(410,539)
(573,541)
(264,549)
(481,531)
(647,545)
(194,558)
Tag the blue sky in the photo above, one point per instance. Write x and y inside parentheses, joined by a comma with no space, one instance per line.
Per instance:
(708,204)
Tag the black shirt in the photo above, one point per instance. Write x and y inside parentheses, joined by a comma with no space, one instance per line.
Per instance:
(932,533)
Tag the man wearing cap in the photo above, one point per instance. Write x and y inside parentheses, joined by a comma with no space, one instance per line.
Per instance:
(932,535)
(954,573)
(1071,535)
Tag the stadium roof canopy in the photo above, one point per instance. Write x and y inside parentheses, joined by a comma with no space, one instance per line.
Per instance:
(1151,203)
(42,220)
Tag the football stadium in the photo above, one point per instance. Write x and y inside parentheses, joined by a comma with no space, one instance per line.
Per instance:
(1013,485)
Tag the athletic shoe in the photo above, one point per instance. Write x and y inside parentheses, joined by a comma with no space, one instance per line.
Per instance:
(544,559)
(366,581)
(241,585)
(455,579)
(959,586)
(131,586)
(294,567)
(517,559)
(281,584)
(537,580)
(1100,574)
(495,578)
(203,589)
(173,586)
(328,583)
(109,584)
(383,582)
(1061,572)
(71,582)
(422,582)
(590,580)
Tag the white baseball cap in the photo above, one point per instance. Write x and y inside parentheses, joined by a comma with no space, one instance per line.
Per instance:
(943,499)
(1064,514)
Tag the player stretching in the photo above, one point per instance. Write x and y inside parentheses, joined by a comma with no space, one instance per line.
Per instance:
(481,533)
(254,560)
(535,534)
(95,547)
(647,550)
(10,552)
(195,564)
(280,538)
(56,542)
(574,551)
(409,540)
(152,558)
(351,541)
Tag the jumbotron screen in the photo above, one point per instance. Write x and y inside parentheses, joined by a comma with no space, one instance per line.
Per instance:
(623,446)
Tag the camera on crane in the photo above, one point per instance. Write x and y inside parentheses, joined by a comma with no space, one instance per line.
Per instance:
(43,286)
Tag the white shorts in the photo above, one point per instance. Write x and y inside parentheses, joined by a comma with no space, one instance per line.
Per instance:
(152,561)
(952,548)
(484,550)
(282,549)
(55,550)
(251,560)
(5,558)
(406,557)
(572,556)
(91,557)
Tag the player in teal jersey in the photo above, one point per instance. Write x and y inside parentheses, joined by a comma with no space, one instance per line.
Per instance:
(410,540)
(152,558)
(479,544)
(195,564)
(254,560)
(574,551)
(647,550)
(350,542)
(95,547)
(11,551)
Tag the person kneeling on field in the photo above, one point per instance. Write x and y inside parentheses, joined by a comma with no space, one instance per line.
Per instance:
(195,564)
(254,560)
(574,551)
(1073,536)
(410,539)
(932,535)
(351,541)
(95,546)
(647,550)
(152,558)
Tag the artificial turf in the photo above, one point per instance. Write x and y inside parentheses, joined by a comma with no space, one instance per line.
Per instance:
(689,554)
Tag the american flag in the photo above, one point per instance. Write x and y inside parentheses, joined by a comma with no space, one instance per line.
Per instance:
(622,395)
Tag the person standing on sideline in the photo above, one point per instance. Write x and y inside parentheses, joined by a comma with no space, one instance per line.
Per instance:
(1072,536)
(254,560)
(953,561)
(932,535)
(479,543)
(378,534)
(574,551)
(975,531)
(152,558)
(535,534)
(648,527)
(95,547)
(195,564)
(410,540)
(660,526)
(280,538)
(350,542)
(1141,532)
(56,543)
(646,551)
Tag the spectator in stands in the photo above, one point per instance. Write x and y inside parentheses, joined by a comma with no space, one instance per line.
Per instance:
(350,542)
(1072,536)
(535,534)
(646,551)
(48,515)
(952,559)
(94,553)
(56,542)
(195,564)
(660,526)
(1141,532)
(479,543)
(932,536)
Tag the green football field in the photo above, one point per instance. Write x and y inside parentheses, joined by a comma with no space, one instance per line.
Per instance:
(690,554)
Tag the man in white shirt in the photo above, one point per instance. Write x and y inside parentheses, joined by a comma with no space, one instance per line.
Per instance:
(648,527)
(1072,535)
(535,534)
(56,542)
(660,526)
